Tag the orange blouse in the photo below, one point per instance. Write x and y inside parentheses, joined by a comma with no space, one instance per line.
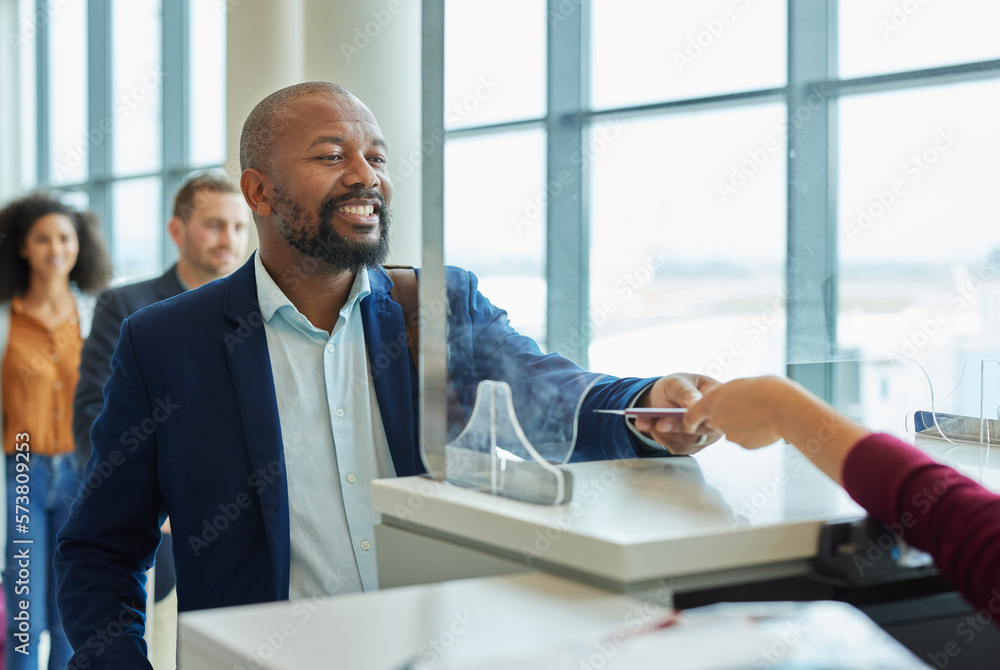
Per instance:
(39,375)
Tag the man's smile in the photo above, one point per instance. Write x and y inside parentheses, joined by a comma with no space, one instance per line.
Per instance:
(360,212)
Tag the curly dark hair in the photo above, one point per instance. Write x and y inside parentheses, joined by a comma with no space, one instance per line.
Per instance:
(92,271)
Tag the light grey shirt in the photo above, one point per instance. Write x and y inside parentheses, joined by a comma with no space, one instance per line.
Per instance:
(333,437)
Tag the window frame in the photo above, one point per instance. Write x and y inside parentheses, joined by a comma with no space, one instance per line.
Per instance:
(175,114)
(812,89)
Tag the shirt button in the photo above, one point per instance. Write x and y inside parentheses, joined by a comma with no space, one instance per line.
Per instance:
(330,348)
(366,545)
(58,415)
(57,385)
(351,478)
(340,412)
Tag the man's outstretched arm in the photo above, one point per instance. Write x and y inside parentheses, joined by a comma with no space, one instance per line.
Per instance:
(547,387)
(109,540)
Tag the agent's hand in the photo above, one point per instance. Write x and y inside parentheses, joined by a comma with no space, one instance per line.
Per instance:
(677,390)
(758,411)
(746,410)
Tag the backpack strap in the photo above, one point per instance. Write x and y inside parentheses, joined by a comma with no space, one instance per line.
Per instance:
(405,293)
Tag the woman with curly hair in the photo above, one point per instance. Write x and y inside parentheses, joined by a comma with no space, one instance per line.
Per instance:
(50,254)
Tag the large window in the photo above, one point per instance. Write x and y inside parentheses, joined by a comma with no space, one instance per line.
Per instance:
(120,101)
(732,187)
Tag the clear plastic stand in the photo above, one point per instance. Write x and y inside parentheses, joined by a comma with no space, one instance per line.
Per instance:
(496,454)
(956,404)
(493,454)
(969,412)
(879,393)
(966,416)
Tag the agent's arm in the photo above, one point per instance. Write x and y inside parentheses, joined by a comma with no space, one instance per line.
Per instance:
(759,411)
(934,508)
(547,387)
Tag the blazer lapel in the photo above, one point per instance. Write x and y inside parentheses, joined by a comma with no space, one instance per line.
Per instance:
(250,367)
(393,373)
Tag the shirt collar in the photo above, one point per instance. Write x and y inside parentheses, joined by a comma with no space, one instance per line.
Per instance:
(271,299)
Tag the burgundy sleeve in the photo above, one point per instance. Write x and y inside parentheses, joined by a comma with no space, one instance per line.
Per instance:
(938,510)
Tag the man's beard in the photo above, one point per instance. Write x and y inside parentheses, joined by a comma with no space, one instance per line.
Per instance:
(325,244)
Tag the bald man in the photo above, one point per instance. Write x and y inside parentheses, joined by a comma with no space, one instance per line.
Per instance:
(256,410)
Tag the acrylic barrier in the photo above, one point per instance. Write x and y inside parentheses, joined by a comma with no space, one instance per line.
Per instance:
(511,412)
(508,431)
(513,453)
(957,404)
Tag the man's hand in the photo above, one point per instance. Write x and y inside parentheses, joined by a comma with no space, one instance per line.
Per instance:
(677,390)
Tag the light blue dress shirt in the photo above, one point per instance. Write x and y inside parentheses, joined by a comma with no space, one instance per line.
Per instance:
(333,437)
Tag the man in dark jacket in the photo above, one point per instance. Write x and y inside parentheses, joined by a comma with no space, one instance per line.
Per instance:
(210,228)
(256,411)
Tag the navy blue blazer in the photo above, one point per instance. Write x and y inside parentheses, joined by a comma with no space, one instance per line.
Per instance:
(113,306)
(190,430)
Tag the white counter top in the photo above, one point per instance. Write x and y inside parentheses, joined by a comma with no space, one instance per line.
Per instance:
(640,520)
(492,618)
